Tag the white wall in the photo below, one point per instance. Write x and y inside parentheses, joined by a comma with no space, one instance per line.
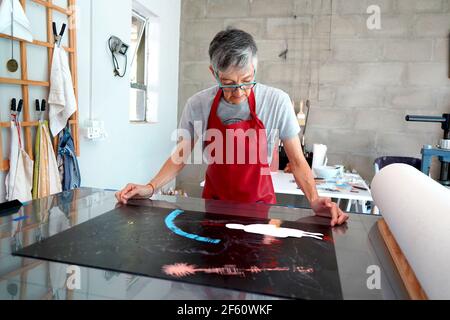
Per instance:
(132,153)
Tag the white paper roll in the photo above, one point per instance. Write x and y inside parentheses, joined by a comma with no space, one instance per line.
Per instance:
(319,155)
(417,211)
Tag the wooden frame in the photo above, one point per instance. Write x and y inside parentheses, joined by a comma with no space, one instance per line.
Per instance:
(28,125)
(412,284)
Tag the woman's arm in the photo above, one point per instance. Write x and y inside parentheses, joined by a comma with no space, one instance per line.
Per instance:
(305,180)
(172,167)
(300,168)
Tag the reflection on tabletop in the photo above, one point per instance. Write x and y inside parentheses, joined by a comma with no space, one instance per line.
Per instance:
(357,246)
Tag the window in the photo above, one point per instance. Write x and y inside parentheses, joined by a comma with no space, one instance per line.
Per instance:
(144,95)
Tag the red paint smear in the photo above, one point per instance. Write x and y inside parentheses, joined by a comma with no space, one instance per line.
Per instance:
(271,264)
(329,239)
(212,224)
(180,270)
(268,240)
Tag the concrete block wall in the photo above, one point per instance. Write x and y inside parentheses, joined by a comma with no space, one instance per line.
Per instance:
(361,82)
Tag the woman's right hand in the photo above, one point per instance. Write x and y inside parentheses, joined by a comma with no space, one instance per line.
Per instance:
(135,191)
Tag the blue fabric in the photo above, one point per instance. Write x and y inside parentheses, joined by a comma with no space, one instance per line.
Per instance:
(67,159)
(64,202)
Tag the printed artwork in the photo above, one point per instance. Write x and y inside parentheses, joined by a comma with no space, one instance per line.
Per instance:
(284,259)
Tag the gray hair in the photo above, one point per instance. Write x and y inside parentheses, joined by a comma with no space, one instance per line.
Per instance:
(233,48)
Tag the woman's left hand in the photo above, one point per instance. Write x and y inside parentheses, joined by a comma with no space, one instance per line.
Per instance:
(324,207)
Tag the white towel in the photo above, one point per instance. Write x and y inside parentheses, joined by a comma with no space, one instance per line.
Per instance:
(19,180)
(61,99)
(22,26)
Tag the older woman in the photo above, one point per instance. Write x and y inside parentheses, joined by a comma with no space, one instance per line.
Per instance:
(249,117)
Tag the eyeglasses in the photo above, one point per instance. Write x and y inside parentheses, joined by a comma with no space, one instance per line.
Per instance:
(234,87)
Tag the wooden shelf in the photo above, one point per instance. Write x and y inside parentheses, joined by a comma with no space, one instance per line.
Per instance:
(28,124)
(21,270)
(50,5)
(35,42)
(25,82)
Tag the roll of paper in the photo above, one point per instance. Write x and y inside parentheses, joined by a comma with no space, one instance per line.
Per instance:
(417,211)
(320,155)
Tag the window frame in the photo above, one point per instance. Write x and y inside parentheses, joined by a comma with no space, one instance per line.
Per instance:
(148,18)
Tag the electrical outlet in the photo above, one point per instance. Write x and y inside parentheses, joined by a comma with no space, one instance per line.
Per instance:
(95,130)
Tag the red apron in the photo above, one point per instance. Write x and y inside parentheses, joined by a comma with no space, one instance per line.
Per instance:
(242,181)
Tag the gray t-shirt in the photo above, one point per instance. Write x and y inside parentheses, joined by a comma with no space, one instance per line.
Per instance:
(273,107)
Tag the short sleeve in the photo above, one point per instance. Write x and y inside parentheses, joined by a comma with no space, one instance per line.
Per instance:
(288,123)
(186,125)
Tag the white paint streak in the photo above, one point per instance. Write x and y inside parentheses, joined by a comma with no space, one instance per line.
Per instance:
(274,231)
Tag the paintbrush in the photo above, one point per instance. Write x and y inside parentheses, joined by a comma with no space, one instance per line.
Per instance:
(301,116)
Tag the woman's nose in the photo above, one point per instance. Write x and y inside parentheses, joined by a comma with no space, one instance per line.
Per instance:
(238,93)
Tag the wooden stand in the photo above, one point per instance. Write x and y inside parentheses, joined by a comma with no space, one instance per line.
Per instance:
(27,124)
(407,274)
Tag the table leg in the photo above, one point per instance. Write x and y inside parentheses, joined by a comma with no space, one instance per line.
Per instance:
(349,205)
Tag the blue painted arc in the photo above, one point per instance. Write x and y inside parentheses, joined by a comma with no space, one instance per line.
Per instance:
(170,223)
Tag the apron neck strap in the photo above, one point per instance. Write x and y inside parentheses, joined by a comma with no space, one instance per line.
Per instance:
(218,98)
(216,103)
(252,104)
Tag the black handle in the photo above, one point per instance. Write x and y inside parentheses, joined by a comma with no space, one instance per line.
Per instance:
(20,107)
(63,29)
(425,119)
(44,105)
(14,105)
(55,32)
(38,105)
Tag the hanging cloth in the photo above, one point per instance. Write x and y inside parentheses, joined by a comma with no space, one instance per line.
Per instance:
(22,26)
(19,181)
(46,175)
(61,99)
(67,162)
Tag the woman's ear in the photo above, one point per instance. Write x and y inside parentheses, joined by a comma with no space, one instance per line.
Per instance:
(212,72)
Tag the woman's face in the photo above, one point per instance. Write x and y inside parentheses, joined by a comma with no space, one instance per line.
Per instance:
(234,77)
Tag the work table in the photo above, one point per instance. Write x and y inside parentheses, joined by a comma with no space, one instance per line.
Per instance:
(358,246)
